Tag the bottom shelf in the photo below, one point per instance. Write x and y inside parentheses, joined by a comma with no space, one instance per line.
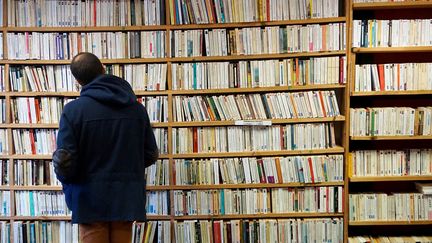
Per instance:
(377,223)
(386,239)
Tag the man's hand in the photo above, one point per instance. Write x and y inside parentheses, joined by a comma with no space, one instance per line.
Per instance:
(63,161)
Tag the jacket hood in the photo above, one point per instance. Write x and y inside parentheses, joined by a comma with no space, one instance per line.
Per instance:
(109,89)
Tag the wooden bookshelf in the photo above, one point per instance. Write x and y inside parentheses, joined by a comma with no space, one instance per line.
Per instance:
(339,121)
(385,55)
(392,5)
(389,223)
(392,49)
(389,178)
(382,93)
(414,137)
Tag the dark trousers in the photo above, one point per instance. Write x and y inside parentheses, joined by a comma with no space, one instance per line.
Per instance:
(106,232)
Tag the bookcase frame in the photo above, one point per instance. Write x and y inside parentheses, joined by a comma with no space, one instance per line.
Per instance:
(343,119)
(353,52)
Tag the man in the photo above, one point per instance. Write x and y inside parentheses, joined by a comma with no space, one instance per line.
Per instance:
(104,143)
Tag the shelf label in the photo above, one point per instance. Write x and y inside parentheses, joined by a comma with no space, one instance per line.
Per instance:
(253,123)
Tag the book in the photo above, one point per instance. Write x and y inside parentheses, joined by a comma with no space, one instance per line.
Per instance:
(272,170)
(412,162)
(257,201)
(256,106)
(393,77)
(267,138)
(390,207)
(34,172)
(40,203)
(390,121)
(365,33)
(105,45)
(276,230)
(85,13)
(32,231)
(257,40)
(215,11)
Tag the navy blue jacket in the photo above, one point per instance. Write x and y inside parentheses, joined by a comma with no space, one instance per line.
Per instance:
(108,141)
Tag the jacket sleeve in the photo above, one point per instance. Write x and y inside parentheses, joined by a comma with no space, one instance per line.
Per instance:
(151,152)
(65,157)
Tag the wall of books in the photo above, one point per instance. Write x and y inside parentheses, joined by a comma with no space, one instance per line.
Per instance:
(389,164)
(247,100)
(250,103)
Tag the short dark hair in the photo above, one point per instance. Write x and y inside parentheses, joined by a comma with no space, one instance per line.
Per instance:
(85,67)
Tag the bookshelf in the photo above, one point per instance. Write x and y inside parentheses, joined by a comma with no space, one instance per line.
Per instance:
(371,183)
(389,178)
(389,223)
(392,5)
(302,83)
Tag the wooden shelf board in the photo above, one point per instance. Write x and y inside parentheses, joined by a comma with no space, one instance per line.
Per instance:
(241,186)
(392,5)
(182,59)
(31,94)
(416,137)
(86,28)
(257,89)
(377,223)
(26,126)
(392,49)
(151,93)
(190,92)
(51,218)
(29,156)
(256,57)
(49,157)
(158,217)
(76,94)
(335,150)
(67,62)
(37,188)
(274,121)
(405,92)
(389,178)
(175,27)
(55,125)
(258,24)
(260,216)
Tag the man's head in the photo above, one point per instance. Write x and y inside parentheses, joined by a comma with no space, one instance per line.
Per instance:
(85,67)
